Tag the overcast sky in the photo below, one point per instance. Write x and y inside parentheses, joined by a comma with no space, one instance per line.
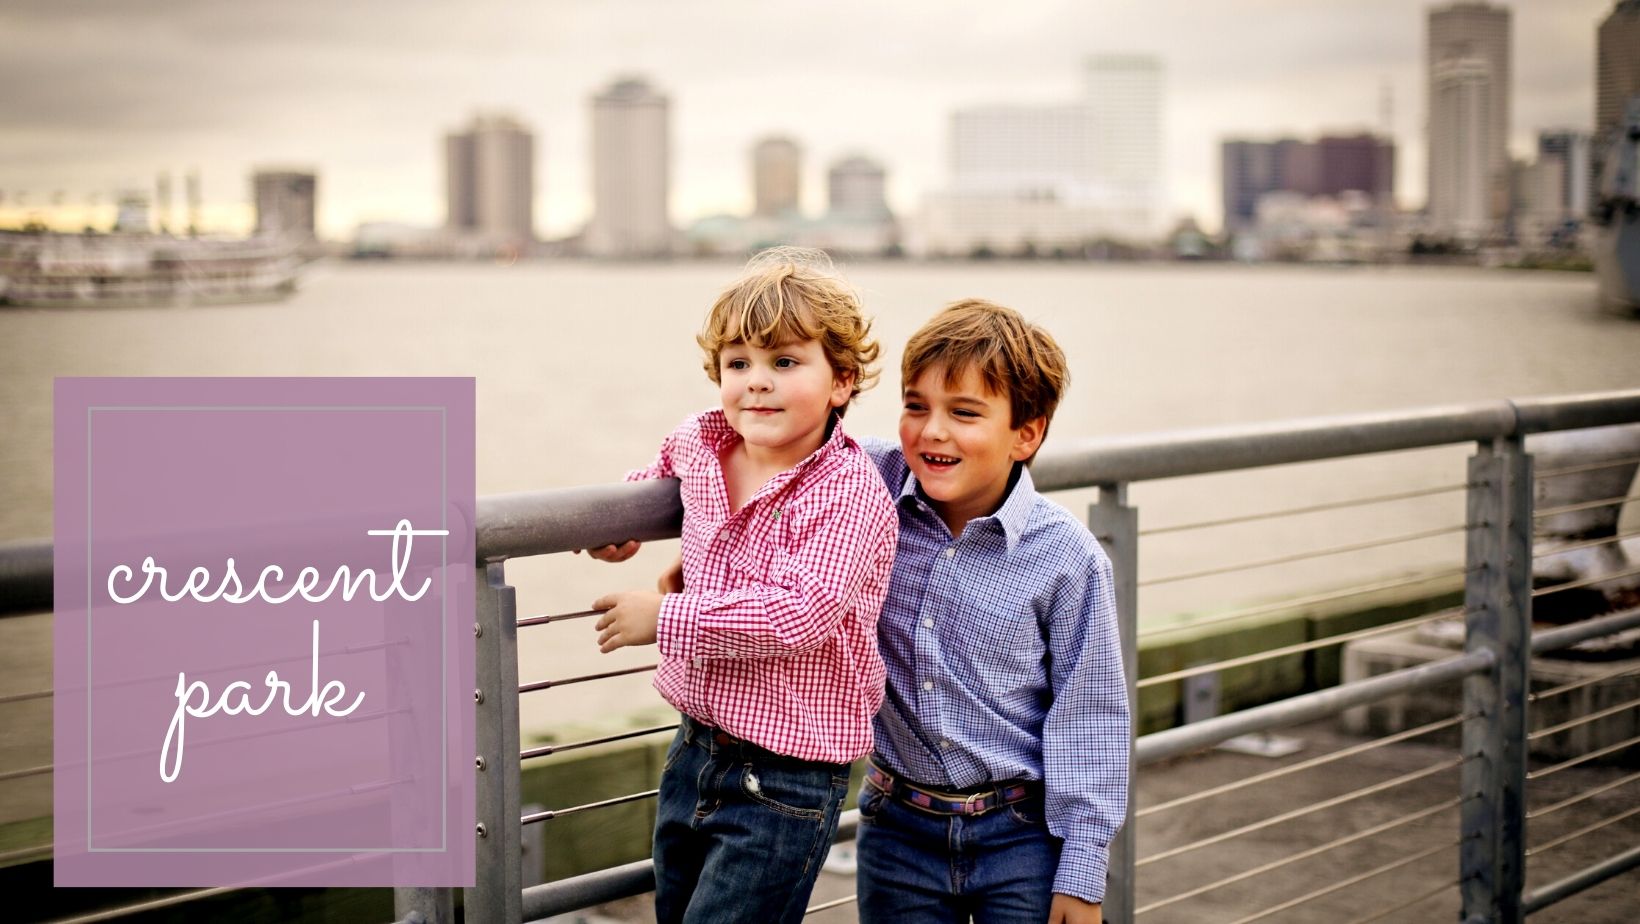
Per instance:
(104,95)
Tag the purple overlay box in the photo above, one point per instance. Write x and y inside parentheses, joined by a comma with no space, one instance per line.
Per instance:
(263,628)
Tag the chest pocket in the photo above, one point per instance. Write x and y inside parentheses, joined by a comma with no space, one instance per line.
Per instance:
(1005,631)
(758,543)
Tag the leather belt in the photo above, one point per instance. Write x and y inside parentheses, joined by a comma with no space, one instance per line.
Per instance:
(935,802)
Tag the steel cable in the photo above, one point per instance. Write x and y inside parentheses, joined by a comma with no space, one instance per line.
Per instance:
(1312,508)
(1311,763)
(1295,602)
(1301,812)
(1584,831)
(1305,556)
(1346,883)
(549,684)
(1583,720)
(559,813)
(549,749)
(1296,648)
(1582,797)
(1602,752)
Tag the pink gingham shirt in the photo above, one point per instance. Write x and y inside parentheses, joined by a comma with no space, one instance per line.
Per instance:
(774,638)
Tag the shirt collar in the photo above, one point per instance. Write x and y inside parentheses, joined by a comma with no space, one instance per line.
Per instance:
(1012,516)
(716,433)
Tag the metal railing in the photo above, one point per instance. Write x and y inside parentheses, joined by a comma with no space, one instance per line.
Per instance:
(1486,811)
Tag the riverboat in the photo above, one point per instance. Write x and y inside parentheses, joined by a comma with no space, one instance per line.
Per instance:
(46,269)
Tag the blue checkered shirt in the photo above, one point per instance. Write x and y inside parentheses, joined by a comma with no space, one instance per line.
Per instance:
(1004,663)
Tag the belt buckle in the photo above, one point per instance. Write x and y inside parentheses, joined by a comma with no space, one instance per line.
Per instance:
(970,805)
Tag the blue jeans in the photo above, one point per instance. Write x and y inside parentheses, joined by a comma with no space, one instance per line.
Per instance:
(919,868)
(740,832)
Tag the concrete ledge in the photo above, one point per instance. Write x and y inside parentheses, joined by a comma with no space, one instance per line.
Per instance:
(1400,650)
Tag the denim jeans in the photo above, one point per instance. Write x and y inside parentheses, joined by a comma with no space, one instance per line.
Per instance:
(740,832)
(918,868)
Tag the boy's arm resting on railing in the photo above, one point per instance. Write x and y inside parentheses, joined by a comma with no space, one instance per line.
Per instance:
(1086,732)
(841,538)
(614,553)
(660,468)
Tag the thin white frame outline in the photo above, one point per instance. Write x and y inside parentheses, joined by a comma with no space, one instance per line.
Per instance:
(444,629)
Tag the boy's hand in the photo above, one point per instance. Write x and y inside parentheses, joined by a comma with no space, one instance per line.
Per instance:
(631,620)
(612,553)
(1068,909)
(671,580)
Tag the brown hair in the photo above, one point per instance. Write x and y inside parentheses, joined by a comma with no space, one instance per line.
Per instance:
(1012,356)
(787,294)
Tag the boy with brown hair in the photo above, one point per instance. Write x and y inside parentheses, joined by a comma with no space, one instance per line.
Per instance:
(999,775)
(768,648)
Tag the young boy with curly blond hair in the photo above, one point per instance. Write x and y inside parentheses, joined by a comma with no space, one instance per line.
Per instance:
(999,776)
(769,648)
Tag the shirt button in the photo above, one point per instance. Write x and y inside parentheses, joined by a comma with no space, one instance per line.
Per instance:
(928,623)
(928,684)
(949,552)
(944,743)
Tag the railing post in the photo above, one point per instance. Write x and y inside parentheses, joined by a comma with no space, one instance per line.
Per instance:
(419,698)
(1497,603)
(497,896)
(1116,525)
(424,906)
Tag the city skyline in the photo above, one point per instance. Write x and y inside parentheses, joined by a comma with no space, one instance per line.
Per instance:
(111,94)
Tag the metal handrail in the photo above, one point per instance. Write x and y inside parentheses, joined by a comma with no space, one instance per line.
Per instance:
(566,519)
(1541,898)
(537,523)
(1174,742)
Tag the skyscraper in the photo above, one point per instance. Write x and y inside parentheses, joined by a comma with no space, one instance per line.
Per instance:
(631,163)
(1247,170)
(490,179)
(1361,162)
(1029,177)
(1570,149)
(286,201)
(1124,94)
(1330,166)
(1617,77)
(1460,151)
(855,189)
(777,177)
(1035,151)
(1468,79)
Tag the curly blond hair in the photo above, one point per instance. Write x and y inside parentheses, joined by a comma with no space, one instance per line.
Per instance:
(787,294)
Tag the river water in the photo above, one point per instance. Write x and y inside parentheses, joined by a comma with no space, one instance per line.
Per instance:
(582,368)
